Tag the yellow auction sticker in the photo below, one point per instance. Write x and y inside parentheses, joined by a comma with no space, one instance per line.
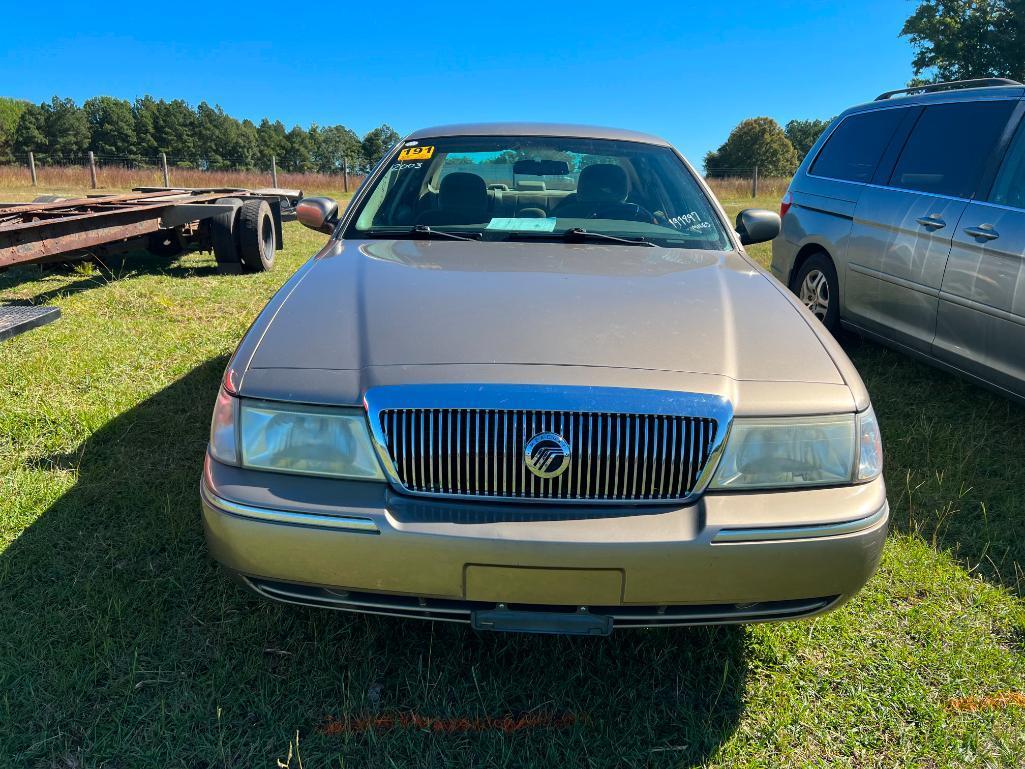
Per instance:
(416,153)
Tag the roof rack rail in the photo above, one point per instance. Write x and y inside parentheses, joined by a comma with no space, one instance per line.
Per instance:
(950,85)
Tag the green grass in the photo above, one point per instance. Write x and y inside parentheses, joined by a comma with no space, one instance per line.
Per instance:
(123,645)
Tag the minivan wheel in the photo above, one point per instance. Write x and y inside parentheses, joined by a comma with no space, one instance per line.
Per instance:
(818,289)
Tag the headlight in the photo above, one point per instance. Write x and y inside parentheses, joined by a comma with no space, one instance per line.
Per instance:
(307,439)
(801,451)
(310,440)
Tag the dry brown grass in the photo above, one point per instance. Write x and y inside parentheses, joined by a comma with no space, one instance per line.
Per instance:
(119,178)
(740,187)
(54,178)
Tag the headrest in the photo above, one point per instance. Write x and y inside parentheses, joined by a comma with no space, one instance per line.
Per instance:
(534,185)
(603,183)
(463,191)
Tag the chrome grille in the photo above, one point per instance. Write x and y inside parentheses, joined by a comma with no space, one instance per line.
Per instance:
(480,453)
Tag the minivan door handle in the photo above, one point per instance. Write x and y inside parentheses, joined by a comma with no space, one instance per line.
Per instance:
(933,221)
(982,232)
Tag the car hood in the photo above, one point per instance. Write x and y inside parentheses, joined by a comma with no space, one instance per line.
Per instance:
(382,303)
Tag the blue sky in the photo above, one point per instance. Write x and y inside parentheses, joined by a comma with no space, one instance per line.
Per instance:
(686,71)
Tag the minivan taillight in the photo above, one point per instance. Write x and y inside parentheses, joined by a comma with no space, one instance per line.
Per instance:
(785,203)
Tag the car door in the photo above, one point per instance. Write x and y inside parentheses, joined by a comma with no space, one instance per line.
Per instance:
(981,321)
(904,225)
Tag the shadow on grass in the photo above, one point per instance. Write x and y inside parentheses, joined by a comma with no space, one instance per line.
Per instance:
(955,461)
(122,645)
(120,266)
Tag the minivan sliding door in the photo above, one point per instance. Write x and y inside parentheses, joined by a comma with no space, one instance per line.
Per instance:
(903,228)
(981,321)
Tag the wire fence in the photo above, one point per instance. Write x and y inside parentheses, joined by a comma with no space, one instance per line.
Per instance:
(98,171)
(743,182)
(101,171)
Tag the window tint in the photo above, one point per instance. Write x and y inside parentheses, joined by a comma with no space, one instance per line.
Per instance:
(1009,189)
(949,147)
(855,147)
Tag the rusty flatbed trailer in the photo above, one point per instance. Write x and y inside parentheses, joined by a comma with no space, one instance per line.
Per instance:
(242,227)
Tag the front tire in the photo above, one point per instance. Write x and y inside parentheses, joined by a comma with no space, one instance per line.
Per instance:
(817,287)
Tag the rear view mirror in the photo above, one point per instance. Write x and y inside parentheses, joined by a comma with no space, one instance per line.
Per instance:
(756,225)
(541,167)
(320,214)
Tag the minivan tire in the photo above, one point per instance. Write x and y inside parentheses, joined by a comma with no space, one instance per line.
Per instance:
(818,289)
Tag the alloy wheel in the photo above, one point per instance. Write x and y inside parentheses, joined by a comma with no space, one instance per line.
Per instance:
(814,293)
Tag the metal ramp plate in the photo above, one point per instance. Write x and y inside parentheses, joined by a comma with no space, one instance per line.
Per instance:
(17,318)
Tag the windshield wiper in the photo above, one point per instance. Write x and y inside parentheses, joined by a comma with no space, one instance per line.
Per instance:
(423,229)
(580,234)
(577,235)
(419,231)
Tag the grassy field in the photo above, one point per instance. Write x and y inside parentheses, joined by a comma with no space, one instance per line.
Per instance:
(122,645)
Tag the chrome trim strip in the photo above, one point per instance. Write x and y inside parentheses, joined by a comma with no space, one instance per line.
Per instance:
(289,517)
(612,402)
(621,615)
(777,533)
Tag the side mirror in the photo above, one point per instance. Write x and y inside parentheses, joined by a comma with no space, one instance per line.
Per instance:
(756,225)
(320,214)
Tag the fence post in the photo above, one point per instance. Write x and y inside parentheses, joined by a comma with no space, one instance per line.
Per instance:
(754,183)
(345,174)
(163,167)
(273,172)
(32,167)
(92,169)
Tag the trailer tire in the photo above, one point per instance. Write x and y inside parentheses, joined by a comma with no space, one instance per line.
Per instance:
(224,231)
(48,199)
(256,238)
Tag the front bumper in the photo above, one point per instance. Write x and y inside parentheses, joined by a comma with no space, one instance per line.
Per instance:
(726,558)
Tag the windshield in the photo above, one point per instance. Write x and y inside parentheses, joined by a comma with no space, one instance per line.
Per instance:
(529,187)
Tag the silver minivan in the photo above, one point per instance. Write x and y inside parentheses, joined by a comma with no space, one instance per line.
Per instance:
(906,223)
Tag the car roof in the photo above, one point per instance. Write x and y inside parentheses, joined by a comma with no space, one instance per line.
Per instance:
(934,97)
(536,129)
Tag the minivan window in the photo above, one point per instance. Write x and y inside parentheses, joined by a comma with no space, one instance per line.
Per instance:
(1009,189)
(855,147)
(949,146)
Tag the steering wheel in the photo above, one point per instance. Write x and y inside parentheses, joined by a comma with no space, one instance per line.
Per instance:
(630,212)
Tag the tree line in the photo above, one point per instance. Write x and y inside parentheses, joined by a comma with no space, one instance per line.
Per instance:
(61,131)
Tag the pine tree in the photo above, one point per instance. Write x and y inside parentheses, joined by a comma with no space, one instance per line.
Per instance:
(111,125)
(10,113)
(67,131)
(30,132)
(377,143)
(144,114)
